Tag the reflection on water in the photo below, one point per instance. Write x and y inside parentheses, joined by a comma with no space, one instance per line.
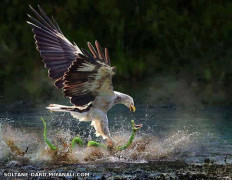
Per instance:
(168,134)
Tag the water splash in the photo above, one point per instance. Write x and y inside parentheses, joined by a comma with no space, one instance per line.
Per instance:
(31,146)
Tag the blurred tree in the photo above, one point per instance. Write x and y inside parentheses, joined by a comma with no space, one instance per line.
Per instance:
(189,41)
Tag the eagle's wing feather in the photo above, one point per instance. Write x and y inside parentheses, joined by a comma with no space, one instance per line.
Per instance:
(87,78)
(57,51)
(82,75)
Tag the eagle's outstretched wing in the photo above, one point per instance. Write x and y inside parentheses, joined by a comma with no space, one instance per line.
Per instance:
(57,51)
(81,74)
(89,76)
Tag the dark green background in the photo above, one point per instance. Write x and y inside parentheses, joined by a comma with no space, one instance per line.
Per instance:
(165,51)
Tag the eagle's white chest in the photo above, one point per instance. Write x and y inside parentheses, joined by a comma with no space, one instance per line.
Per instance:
(104,103)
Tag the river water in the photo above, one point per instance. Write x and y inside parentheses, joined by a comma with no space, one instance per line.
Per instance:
(169,134)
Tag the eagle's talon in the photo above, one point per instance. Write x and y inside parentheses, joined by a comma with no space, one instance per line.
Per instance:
(110,142)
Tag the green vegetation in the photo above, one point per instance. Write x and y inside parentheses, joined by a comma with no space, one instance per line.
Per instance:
(79,141)
(157,46)
(130,141)
(53,147)
(96,144)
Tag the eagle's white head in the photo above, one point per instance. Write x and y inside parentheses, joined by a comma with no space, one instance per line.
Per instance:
(130,103)
(126,100)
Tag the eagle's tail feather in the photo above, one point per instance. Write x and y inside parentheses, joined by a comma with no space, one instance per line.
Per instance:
(60,108)
(77,113)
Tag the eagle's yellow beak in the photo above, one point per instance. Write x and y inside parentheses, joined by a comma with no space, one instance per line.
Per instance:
(132,108)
